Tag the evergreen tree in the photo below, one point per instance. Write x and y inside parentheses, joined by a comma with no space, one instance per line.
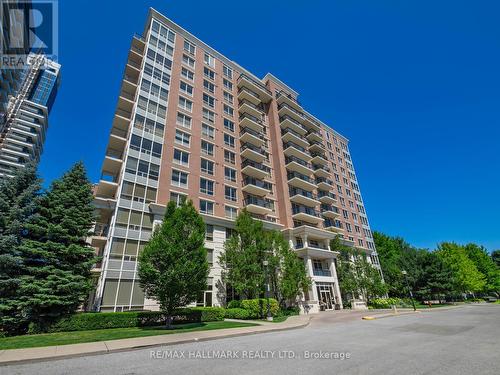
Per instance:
(18,205)
(437,278)
(57,258)
(173,266)
(495,256)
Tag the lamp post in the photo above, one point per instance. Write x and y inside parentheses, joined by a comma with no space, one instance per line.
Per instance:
(405,274)
(269,316)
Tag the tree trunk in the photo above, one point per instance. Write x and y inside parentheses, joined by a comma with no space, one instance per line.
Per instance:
(169,321)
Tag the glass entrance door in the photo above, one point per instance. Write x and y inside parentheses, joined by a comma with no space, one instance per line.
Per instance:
(326,296)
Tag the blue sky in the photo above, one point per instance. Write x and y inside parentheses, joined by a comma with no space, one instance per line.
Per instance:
(414,85)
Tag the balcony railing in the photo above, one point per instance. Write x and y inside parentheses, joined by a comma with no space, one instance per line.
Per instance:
(282,93)
(250,199)
(292,158)
(317,167)
(258,183)
(296,209)
(252,132)
(286,117)
(298,191)
(253,118)
(291,175)
(321,272)
(331,223)
(323,179)
(101,230)
(255,82)
(250,92)
(329,207)
(249,146)
(113,153)
(322,194)
(295,145)
(251,163)
(241,102)
(288,130)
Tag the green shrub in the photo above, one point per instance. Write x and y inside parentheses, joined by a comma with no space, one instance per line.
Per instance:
(237,313)
(257,307)
(90,321)
(234,304)
(387,303)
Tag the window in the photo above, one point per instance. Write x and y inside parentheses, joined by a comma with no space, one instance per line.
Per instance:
(187,74)
(179,178)
(227,71)
(228,97)
(207,148)
(209,86)
(228,110)
(182,138)
(207,166)
(181,157)
(188,61)
(209,60)
(206,207)
(209,232)
(184,120)
(228,140)
(348,227)
(229,174)
(228,125)
(208,73)
(185,104)
(187,89)
(231,212)
(177,198)
(208,100)
(230,193)
(227,84)
(229,157)
(208,115)
(207,131)
(189,47)
(206,186)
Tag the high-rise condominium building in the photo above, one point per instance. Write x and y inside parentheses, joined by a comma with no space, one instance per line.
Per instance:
(24,126)
(191,123)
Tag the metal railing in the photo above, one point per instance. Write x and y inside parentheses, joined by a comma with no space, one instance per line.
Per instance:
(298,191)
(321,272)
(250,199)
(298,209)
(251,163)
(101,230)
(255,82)
(291,175)
(295,145)
(323,179)
(286,117)
(258,183)
(329,207)
(292,158)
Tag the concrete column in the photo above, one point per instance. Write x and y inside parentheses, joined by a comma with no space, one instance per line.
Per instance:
(313,295)
(336,287)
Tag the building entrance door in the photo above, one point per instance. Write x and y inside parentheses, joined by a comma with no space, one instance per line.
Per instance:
(326,296)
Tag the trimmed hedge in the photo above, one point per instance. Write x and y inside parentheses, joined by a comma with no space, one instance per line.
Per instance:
(237,313)
(90,321)
(257,307)
(234,304)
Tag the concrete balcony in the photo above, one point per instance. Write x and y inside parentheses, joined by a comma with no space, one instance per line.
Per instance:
(248,95)
(254,85)
(251,122)
(324,183)
(246,106)
(258,206)
(253,169)
(300,181)
(306,214)
(295,164)
(311,124)
(321,171)
(303,197)
(284,98)
(286,122)
(286,110)
(314,137)
(251,152)
(290,135)
(100,234)
(317,147)
(256,187)
(248,135)
(329,211)
(318,159)
(330,225)
(293,149)
(327,197)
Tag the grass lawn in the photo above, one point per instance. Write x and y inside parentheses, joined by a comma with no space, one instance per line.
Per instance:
(76,337)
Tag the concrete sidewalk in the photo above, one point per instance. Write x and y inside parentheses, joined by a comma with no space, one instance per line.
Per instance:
(14,356)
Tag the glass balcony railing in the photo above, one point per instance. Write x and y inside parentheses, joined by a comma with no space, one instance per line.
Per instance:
(249,146)
(325,180)
(250,199)
(329,207)
(250,117)
(295,145)
(251,163)
(299,191)
(331,223)
(258,183)
(296,209)
(321,272)
(292,158)
(291,175)
(318,167)
(322,194)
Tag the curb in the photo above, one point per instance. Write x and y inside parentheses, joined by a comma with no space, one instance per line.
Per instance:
(375,317)
(107,350)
